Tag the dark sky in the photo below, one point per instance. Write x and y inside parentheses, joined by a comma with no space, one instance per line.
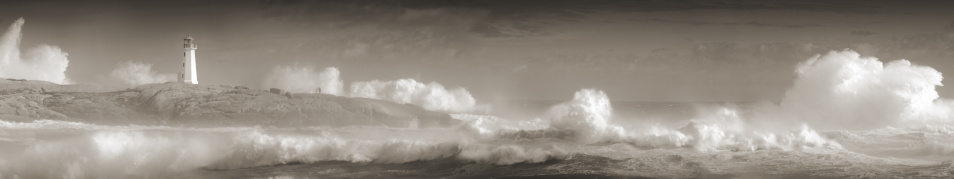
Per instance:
(528,49)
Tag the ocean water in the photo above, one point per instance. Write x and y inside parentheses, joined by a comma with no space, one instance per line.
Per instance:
(580,138)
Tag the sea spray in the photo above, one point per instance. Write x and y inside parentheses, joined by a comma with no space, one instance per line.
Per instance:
(587,114)
(89,150)
(844,90)
(43,62)
(578,135)
(431,96)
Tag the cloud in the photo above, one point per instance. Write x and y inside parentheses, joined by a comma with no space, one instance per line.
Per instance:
(497,18)
(488,19)
(740,23)
(431,96)
(702,56)
(44,62)
(298,79)
(433,42)
(844,90)
(861,33)
(934,45)
(137,73)
(949,32)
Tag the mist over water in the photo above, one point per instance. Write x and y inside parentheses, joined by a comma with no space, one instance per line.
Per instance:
(844,111)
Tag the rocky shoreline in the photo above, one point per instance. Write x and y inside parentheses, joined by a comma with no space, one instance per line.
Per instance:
(175,103)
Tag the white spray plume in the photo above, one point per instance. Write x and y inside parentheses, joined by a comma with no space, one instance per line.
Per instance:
(305,80)
(137,73)
(842,90)
(44,62)
(588,115)
(431,96)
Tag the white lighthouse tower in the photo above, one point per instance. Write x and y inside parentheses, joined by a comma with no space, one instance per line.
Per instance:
(188,74)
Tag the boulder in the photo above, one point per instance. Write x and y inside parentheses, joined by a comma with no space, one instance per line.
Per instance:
(276,91)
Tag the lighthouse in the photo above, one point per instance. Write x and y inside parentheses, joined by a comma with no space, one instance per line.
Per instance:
(188,74)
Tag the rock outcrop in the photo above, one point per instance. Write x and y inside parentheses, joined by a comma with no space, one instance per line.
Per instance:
(218,105)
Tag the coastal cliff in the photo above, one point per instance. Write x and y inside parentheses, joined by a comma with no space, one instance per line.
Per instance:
(172,103)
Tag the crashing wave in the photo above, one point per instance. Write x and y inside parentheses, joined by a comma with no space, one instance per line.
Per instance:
(129,151)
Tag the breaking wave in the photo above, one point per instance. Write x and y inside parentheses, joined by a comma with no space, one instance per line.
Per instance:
(72,149)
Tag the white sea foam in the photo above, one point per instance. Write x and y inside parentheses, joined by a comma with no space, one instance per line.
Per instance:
(132,151)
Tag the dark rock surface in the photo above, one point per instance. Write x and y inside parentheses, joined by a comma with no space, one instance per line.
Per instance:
(217,105)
